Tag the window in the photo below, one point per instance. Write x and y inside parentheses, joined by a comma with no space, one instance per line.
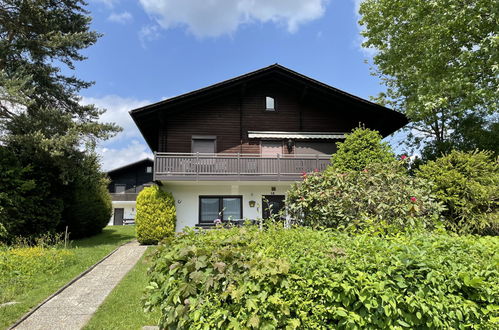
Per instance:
(149,169)
(269,103)
(119,188)
(220,207)
(204,145)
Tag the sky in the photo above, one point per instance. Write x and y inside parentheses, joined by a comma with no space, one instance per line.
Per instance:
(155,49)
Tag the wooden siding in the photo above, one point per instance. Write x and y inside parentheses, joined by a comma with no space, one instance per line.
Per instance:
(229,117)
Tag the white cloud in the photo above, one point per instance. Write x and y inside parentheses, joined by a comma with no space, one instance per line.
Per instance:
(149,33)
(117,112)
(121,18)
(112,158)
(211,18)
(128,146)
(107,3)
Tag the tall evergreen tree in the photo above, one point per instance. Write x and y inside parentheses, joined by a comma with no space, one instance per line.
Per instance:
(41,119)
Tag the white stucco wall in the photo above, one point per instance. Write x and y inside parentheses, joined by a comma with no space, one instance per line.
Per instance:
(187,194)
(128,213)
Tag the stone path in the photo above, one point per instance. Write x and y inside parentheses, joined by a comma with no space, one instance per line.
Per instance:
(74,306)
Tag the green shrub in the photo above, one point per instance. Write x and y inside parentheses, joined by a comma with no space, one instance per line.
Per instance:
(308,279)
(361,148)
(87,206)
(467,183)
(380,197)
(27,205)
(156,216)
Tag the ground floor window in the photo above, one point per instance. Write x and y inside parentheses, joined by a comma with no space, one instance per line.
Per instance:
(220,207)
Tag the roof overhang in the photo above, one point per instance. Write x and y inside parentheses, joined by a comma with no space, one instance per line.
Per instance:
(296,135)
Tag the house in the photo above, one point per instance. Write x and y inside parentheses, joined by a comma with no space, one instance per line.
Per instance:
(126,182)
(232,150)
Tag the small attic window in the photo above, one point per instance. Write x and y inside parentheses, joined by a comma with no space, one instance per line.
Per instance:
(269,103)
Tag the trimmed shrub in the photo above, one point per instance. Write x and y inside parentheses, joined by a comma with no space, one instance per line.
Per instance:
(156,215)
(467,183)
(308,279)
(361,148)
(382,197)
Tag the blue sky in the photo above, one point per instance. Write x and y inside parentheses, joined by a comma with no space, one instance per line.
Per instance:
(155,49)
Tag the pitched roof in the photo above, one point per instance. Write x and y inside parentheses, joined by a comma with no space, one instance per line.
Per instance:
(145,160)
(141,114)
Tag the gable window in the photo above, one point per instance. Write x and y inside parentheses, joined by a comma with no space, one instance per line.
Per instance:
(269,103)
(149,169)
(119,188)
(220,207)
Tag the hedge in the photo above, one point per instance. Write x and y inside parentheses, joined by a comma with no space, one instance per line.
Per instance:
(304,278)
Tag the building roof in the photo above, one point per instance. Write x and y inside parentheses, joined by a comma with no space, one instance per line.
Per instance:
(139,162)
(146,117)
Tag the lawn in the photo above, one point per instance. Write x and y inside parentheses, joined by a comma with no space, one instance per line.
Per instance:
(123,309)
(29,275)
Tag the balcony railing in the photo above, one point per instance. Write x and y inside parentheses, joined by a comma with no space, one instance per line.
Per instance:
(252,167)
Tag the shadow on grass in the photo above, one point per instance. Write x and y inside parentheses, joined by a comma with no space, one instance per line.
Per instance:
(111,235)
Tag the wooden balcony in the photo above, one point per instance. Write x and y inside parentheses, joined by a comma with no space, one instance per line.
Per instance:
(235,167)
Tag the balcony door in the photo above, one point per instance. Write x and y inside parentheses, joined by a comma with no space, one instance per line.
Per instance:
(271,148)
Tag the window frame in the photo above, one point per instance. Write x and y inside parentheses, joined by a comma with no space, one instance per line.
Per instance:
(220,205)
(274,109)
(149,169)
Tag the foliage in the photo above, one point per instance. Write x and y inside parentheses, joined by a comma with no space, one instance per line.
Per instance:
(37,38)
(30,291)
(19,265)
(467,183)
(27,205)
(156,215)
(42,123)
(89,208)
(380,197)
(471,133)
(438,60)
(302,278)
(361,148)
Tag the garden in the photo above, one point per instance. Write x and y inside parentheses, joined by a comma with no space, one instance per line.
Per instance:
(30,272)
(376,241)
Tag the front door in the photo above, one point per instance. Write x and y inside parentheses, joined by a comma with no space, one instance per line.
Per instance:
(118,216)
(272,205)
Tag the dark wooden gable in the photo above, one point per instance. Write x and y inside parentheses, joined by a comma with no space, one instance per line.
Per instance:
(230,109)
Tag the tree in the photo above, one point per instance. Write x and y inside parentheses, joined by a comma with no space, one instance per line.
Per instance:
(362,147)
(41,119)
(439,60)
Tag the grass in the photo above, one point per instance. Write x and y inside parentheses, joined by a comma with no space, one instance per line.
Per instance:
(85,252)
(123,309)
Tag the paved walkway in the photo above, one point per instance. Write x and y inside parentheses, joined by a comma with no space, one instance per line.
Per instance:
(73,307)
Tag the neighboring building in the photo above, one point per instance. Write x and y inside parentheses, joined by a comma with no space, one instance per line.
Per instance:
(126,182)
(225,149)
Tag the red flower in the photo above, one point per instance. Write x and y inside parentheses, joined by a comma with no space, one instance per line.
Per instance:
(413,199)
(302,198)
(403,157)
(365,170)
(304,174)
(316,170)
